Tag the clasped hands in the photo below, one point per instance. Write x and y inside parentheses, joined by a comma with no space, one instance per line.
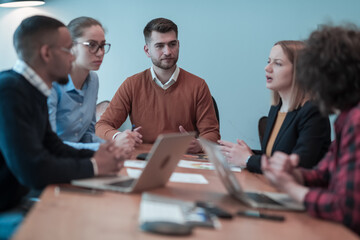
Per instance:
(194,146)
(281,170)
(236,153)
(111,155)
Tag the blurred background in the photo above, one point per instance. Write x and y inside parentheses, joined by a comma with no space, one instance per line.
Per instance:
(226,42)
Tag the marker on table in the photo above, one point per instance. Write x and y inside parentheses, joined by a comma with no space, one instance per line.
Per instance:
(257,214)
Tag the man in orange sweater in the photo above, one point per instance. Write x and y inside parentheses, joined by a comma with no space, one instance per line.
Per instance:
(164,98)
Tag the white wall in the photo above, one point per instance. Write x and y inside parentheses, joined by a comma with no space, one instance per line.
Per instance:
(225,42)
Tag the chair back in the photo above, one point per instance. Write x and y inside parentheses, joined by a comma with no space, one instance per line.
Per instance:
(100,108)
(216,110)
(261,127)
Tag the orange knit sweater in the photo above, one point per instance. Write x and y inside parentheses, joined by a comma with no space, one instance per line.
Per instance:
(187,102)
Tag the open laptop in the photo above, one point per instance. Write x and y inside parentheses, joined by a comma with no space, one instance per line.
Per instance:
(161,162)
(278,201)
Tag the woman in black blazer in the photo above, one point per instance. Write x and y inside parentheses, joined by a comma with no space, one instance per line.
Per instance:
(294,124)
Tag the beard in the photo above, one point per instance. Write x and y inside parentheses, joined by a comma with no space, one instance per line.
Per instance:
(163,64)
(62,80)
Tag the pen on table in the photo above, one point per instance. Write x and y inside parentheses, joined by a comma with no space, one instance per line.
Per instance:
(257,214)
(213,209)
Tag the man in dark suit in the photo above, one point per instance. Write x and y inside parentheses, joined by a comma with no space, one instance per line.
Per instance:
(31,155)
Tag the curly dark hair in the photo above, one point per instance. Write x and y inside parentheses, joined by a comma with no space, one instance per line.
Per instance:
(329,67)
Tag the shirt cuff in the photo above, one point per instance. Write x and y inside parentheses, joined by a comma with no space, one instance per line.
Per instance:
(114,136)
(96,170)
(247,160)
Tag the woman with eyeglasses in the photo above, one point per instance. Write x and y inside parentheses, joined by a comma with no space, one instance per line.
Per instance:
(72,106)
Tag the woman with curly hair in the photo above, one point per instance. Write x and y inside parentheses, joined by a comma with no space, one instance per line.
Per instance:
(329,68)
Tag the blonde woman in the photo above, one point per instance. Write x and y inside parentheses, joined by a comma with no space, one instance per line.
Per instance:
(294,124)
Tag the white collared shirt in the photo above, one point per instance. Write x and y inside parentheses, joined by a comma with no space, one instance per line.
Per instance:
(170,82)
(30,75)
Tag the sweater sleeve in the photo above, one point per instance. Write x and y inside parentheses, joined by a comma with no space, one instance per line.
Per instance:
(206,121)
(116,113)
(32,151)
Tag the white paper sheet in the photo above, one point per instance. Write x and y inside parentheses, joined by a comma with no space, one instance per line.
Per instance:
(202,165)
(188,178)
(160,211)
(182,163)
(135,163)
(175,177)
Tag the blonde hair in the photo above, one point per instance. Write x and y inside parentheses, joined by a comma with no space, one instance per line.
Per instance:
(298,94)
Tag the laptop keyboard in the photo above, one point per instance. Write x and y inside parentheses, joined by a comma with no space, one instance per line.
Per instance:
(125,183)
(261,198)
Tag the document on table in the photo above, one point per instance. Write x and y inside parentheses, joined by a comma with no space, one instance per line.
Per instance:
(202,165)
(155,208)
(175,177)
(182,163)
(152,211)
(135,163)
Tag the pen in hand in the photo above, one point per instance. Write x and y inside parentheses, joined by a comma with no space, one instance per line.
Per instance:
(257,214)
(136,134)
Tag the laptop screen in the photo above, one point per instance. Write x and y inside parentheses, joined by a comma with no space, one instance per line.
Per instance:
(222,167)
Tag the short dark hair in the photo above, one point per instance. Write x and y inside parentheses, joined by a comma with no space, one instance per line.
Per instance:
(32,33)
(76,26)
(161,25)
(329,67)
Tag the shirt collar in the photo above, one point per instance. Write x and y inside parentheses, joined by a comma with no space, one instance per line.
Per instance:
(32,77)
(170,82)
(71,87)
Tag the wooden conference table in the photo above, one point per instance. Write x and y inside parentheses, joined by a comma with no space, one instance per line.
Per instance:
(111,215)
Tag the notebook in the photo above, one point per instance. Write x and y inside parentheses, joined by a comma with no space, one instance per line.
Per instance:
(270,200)
(161,162)
(160,209)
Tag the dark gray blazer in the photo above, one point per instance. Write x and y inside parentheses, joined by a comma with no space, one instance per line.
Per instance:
(304,132)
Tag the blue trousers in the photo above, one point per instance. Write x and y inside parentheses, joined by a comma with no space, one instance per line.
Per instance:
(9,222)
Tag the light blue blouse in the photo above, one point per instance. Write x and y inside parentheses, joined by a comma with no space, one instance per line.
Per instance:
(72,112)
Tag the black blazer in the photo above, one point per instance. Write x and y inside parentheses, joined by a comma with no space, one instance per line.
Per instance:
(304,132)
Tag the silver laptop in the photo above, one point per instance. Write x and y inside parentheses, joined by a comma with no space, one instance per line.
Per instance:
(278,201)
(161,162)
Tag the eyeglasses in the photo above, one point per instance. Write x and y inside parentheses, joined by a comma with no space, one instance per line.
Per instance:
(64,49)
(94,46)
(67,50)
